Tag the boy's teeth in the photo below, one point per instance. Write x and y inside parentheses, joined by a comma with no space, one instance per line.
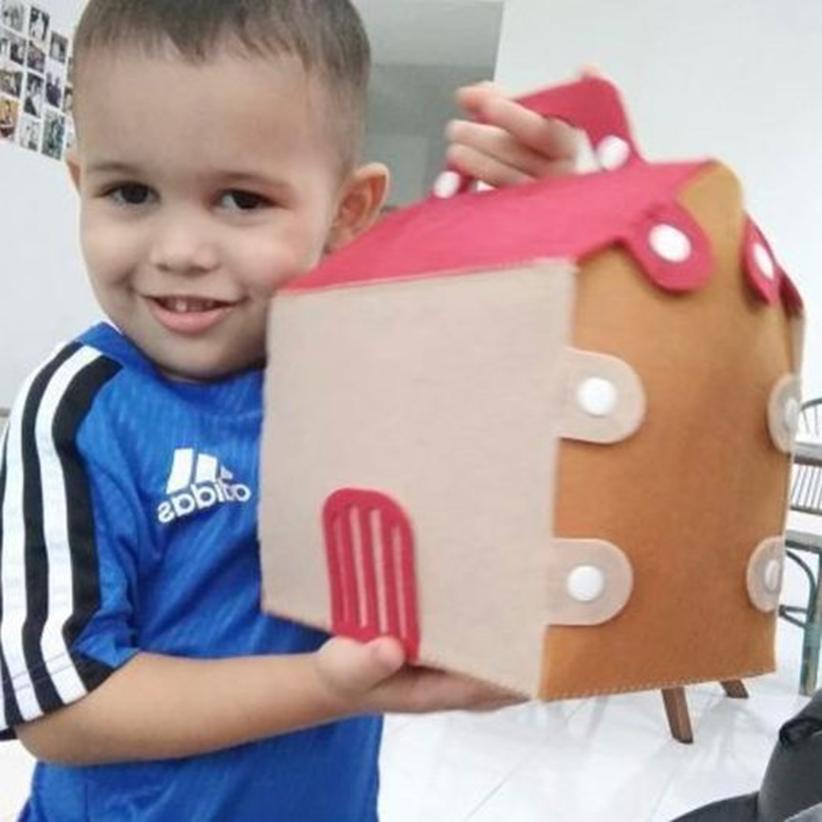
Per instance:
(188,305)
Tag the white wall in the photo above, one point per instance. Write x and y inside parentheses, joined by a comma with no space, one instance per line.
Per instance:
(737,80)
(44,298)
(409,107)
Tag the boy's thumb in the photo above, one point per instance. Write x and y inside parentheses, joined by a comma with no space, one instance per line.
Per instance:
(353,668)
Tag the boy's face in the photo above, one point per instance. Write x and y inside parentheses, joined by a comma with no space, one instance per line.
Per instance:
(203,189)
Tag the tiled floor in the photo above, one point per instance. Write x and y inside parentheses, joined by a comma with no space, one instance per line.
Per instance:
(608,759)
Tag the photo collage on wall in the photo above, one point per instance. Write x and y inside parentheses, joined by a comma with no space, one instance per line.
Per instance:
(35,88)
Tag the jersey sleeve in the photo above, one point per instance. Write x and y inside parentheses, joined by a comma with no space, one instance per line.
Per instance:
(68,545)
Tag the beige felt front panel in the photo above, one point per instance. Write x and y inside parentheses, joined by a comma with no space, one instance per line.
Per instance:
(692,495)
(444,394)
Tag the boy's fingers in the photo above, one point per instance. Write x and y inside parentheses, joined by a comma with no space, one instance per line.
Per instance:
(472,98)
(421,690)
(499,144)
(485,168)
(552,138)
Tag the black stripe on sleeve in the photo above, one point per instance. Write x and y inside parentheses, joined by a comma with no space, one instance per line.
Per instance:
(82,543)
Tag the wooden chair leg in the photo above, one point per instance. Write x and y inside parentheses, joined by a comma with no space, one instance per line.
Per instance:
(735,688)
(676,709)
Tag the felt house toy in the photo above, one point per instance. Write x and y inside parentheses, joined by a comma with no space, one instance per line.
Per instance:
(541,434)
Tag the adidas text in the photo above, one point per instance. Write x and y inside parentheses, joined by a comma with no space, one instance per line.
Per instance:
(201,497)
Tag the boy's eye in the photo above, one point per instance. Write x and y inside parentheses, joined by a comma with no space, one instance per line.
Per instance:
(132,194)
(243,201)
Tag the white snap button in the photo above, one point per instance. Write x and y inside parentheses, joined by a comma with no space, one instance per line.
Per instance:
(764,261)
(447,184)
(790,414)
(585,583)
(597,397)
(613,152)
(772,575)
(670,243)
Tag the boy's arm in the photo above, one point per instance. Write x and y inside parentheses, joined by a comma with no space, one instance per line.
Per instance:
(74,542)
(159,707)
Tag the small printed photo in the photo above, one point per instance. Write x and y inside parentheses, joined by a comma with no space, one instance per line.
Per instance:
(54,89)
(59,47)
(54,131)
(28,135)
(11,82)
(12,47)
(9,112)
(38,26)
(36,60)
(34,96)
(68,101)
(13,14)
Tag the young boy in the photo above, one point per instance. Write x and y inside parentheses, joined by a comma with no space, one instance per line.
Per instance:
(216,159)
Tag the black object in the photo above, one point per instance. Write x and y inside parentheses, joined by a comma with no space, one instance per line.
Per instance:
(793,779)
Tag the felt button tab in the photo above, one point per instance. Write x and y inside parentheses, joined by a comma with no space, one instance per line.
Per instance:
(671,247)
(605,400)
(590,581)
(764,573)
(783,412)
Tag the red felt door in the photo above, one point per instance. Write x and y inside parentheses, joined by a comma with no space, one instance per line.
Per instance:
(370,554)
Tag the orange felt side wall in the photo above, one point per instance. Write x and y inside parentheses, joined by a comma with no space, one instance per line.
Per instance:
(689,497)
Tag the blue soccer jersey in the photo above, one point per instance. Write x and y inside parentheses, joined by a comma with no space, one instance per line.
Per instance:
(128,523)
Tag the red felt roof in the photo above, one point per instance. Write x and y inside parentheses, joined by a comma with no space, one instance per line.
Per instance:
(564,218)
(568,217)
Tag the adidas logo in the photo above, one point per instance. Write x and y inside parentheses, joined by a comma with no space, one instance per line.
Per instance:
(198,484)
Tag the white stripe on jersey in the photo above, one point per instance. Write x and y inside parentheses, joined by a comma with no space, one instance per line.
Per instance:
(182,470)
(66,680)
(13,567)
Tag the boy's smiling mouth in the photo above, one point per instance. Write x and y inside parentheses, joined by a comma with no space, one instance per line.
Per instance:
(188,315)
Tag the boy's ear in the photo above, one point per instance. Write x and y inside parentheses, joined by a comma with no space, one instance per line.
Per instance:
(361,198)
(73,163)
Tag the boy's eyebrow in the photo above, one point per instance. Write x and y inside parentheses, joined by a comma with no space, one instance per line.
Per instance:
(112,167)
(240,178)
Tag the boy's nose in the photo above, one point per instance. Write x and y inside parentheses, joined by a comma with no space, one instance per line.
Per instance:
(184,248)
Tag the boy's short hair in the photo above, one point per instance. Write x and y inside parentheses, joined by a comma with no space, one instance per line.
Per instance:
(327,36)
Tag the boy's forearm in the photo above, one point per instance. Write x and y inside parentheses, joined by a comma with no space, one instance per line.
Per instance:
(160,707)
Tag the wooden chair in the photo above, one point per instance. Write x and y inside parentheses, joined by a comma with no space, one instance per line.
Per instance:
(806,498)
(676,708)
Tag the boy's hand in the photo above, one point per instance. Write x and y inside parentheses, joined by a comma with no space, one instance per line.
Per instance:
(373,678)
(504,143)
